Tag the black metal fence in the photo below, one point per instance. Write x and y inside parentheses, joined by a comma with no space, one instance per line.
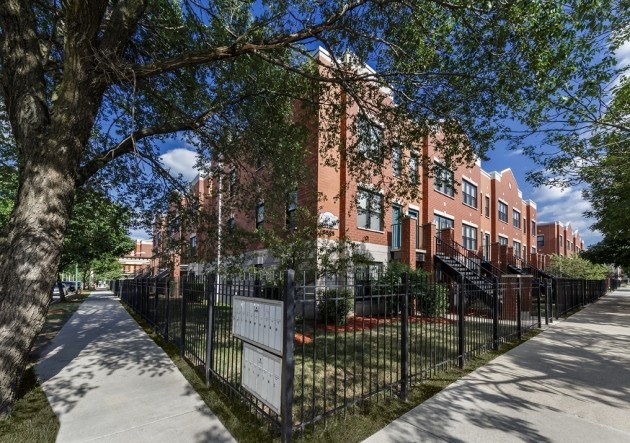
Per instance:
(346,339)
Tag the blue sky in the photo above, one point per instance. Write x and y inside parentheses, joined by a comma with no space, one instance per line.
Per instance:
(554,204)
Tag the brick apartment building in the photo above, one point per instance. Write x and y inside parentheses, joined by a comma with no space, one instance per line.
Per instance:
(138,259)
(484,212)
(560,239)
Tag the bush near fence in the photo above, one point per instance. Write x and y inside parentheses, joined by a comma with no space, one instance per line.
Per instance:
(406,332)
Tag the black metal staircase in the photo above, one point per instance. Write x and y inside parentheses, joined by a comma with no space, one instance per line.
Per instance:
(463,265)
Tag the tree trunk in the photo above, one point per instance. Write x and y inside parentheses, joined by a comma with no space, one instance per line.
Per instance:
(29,259)
(62,293)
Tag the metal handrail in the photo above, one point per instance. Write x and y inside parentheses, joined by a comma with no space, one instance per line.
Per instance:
(466,257)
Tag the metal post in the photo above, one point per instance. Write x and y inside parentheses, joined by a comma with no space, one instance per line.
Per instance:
(404,340)
(168,308)
(495,314)
(519,323)
(460,311)
(548,295)
(288,363)
(538,304)
(183,318)
(209,288)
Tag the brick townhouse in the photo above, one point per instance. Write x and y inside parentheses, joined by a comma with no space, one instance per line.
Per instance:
(558,238)
(484,212)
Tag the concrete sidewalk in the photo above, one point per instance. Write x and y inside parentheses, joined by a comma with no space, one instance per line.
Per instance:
(571,383)
(108,381)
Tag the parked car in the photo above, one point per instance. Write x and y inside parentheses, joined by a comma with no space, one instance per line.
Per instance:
(69,286)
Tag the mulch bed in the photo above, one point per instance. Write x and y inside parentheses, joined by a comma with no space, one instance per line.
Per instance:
(357,323)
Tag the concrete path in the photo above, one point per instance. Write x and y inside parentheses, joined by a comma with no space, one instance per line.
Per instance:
(107,381)
(571,383)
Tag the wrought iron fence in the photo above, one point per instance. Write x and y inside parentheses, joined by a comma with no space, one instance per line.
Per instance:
(349,339)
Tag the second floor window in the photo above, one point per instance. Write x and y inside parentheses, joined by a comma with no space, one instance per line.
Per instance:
(516,218)
(533,223)
(487,206)
(540,241)
(291,210)
(503,210)
(396,160)
(469,192)
(370,210)
(369,138)
(503,240)
(443,180)
(469,237)
(413,168)
(260,215)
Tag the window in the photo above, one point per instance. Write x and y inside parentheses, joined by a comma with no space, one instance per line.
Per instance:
(443,180)
(533,250)
(503,209)
(487,206)
(413,168)
(540,241)
(533,227)
(193,245)
(442,222)
(516,219)
(260,215)
(469,237)
(524,226)
(231,223)
(396,227)
(291,210)
(232,182)
(503,240)
(517,248)
(560,242)
(369,138)
(370,210)
(396,160)
(469,192)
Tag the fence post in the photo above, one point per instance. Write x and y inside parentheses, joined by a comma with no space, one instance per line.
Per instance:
(288,363)
(209,287)
(167,320)
(548,297)
(519,322)
(183,318)
(404,340)
(155,305)
(495,314)
(460,314)
(538,303)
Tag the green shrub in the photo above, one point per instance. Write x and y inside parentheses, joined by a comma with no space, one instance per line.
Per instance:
(432,300)
(334,305)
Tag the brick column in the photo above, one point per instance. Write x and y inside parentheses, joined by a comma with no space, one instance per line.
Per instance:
(495,254)
(428,244)
(408,246)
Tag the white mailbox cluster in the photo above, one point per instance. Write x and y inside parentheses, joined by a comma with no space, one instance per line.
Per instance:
(262,375)
(258,321)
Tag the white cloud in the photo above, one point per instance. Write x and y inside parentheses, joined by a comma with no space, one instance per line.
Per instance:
(515,153)
(180,161)
(139,234)
(566,206)
(623,55)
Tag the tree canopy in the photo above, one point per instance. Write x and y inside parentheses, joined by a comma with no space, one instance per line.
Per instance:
(91,92)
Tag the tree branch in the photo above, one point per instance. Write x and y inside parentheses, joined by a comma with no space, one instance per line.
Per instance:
(237,48)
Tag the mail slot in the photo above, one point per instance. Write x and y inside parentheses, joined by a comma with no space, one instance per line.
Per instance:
(261,375)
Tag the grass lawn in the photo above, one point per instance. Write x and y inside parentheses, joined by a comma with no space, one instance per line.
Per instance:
(32,419)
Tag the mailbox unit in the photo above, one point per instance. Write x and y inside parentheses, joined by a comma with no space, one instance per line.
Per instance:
(259,322)
(262,375)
